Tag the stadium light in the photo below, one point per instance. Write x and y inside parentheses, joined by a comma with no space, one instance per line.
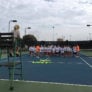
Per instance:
(10,23)
(26,29)
(88,25)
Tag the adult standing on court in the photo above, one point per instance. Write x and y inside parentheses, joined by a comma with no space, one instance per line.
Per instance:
(78,49)
(38,50)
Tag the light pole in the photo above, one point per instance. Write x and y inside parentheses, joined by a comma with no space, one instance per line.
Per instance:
(26,29)
(10,23)
(90,36)
(53,32)
(70,37)
(88,25)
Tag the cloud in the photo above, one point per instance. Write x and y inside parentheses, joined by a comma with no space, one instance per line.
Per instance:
(43,14)
(49,0)
(85,2)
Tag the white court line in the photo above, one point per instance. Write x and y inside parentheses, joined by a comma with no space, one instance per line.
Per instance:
(52,83)
(59,62)
(86,62)
(86,55)
(56,83)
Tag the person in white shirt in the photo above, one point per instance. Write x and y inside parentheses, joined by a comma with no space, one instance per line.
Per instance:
(62,50)
(74,50)
(16,31)
(32,50)
(41,50)
(53,50)
(57,50)
(16,34)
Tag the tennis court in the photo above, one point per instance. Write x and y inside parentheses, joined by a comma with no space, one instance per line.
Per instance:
(62,71)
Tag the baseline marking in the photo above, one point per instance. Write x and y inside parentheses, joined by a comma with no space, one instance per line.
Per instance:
(52,83)
(86,62)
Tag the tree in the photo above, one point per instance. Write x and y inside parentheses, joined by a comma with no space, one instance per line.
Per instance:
(29,40)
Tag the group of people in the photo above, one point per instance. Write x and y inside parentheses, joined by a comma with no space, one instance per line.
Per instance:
(54,50)
(45,50)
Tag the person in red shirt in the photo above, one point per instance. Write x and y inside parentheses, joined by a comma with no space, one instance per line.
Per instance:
(37,50)
(78,49)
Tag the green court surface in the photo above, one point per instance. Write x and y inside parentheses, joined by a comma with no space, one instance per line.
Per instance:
(87,52)
(28,86)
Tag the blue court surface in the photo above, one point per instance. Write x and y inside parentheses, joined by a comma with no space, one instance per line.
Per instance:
(72,70)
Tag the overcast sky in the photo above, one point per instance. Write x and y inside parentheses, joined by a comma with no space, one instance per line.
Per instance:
(69,18)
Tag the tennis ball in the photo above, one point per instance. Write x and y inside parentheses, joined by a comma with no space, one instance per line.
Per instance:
(46,62)
(42,62)
(33,62)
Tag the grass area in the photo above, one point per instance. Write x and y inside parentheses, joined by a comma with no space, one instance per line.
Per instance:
(87,52)
(22,86)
